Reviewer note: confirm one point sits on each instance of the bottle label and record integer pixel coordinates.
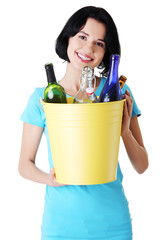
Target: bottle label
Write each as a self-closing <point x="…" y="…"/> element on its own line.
<point x="50" y="94"/>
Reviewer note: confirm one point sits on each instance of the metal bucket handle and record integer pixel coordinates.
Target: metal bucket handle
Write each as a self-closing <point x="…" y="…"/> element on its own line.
<point x="40" y="104"/>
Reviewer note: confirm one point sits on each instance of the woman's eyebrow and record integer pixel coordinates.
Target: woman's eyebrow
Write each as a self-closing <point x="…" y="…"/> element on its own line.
<point x="88" y="35"/>
<point x="84" y="33"/>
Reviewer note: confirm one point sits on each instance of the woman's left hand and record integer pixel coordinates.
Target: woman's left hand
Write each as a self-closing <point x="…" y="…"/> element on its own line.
<point x="127" y="113"/>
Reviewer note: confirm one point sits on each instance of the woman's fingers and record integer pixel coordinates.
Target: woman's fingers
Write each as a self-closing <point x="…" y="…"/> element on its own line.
<point x="129" y="103"/>
<point x="53" y="176"/>
<point x="127" y="113"/>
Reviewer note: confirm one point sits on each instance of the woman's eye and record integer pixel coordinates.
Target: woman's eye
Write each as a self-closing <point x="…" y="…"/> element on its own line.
<point x="82" y="37"/>
<point x="100" y="44"/>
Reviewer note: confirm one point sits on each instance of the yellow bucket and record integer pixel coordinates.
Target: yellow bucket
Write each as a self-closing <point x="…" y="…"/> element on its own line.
<point x="84" y="140"/>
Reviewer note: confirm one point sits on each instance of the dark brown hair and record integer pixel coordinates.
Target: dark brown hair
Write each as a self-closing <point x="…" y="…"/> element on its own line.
<point x="77" y="21"/>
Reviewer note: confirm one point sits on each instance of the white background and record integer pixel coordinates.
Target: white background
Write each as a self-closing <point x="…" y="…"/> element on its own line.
<point x="28" y="33"/>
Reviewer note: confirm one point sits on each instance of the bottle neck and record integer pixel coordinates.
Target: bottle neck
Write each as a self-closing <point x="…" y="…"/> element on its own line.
<point x="50" y="76"/>
<point x="83" y="84"/>
<point x="122" y="81"/>
<point x="86" y="84"/>
<point x="113" y="70"/>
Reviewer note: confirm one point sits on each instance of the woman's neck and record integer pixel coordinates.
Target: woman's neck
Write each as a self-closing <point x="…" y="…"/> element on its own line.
<point x="70" y="81"/>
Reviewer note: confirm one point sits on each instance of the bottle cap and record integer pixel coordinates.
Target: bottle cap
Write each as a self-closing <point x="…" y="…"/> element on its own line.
<point x="87" y="72"/>
<point x="48" y="66"/>
<point x="122" y="77"/>
<point x="89" y="91"/>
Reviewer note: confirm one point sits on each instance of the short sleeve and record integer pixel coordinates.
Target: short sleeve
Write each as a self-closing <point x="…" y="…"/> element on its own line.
<point x="135" y="110"/>
<point x="33" y="113"/>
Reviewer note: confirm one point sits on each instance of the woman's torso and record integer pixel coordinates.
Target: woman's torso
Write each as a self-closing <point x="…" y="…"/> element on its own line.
<point x="86" y="211"/>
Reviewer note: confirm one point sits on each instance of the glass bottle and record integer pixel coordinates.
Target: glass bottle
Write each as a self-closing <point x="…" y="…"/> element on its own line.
<point x="53" y="93"/>
<point x="87" y="87"/>
<point x="111" y="90"/>
<point x="122" y="80"/>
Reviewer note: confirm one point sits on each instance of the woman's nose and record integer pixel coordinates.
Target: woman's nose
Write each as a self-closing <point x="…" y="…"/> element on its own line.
<point x="89" y="47"/>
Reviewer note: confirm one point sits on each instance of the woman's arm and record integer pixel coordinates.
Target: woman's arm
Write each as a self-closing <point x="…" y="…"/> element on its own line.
<point x="30" y="142"/>
<point x="132" y="137"/>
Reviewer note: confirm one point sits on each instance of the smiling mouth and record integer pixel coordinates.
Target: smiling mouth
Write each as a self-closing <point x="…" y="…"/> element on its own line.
<point x="84" y="58"/>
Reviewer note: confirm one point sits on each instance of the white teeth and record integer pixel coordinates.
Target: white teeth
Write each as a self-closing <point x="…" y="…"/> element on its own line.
<point x="84" y="58"/>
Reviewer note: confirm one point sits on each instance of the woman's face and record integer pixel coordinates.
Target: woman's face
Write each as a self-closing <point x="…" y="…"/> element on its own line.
<point x="87" y="47"/>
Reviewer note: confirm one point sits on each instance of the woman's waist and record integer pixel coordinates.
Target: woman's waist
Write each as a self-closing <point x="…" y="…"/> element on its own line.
<point x="85" y="200"/>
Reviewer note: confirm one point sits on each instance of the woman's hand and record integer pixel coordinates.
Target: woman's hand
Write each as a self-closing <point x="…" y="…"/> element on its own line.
<point x="132" y="137"/>
<point x="127" y="113"/>
<point x="53" y="181"/>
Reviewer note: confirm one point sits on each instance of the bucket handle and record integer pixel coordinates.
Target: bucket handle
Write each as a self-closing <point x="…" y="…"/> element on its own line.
<point x="40" y="104"/>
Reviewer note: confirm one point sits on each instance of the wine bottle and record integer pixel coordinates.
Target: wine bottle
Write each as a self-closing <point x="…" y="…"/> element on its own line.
<point x="111" y="90"/>
<point x="122" y="80"/>
<point x="53" y="93"/>
<point x="87" y="87"/>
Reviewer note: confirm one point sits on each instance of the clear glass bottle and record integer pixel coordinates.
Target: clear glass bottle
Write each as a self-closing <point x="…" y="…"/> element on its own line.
<point x="111" y="90"/>
<point x="86" y="93"/>
<point x="53" y="93"/>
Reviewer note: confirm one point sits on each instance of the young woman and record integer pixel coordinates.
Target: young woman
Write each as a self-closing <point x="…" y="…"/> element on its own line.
<point x="83" y="211"/>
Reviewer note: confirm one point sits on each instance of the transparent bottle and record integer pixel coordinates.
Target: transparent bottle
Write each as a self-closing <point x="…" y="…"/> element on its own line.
<point x="111" y="90"/>
<point x="53" y="93"/>
<point x="86" y="93"/>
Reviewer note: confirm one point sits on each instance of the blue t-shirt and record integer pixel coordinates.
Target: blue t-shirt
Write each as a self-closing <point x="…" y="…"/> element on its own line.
<point x="98" y="212"/>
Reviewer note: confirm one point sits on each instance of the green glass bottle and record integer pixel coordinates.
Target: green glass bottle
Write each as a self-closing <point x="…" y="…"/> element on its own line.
<point x="53" y="93"/>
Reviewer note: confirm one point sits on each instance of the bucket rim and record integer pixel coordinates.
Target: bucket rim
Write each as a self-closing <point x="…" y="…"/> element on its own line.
<point x="78" y="104"/>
